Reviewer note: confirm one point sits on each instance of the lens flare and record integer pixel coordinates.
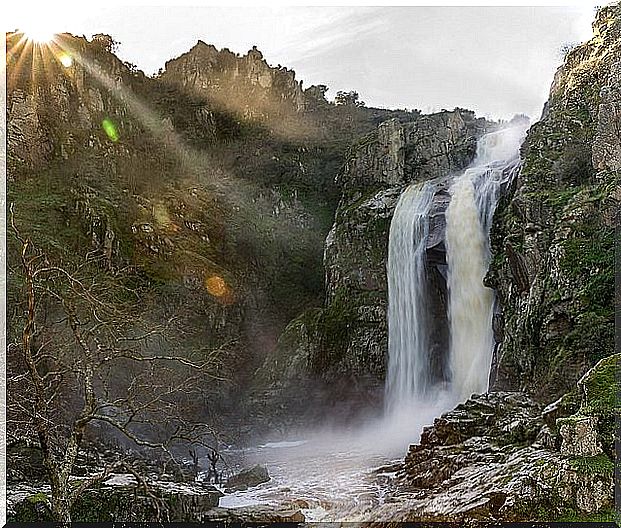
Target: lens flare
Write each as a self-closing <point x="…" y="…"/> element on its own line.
<point x="66" y="60"/>
<point x="216" y="286"/>
<point x="110" y="129"/>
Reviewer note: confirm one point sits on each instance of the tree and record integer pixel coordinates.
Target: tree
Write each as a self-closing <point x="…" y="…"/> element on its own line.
<point x="87" y="356"/>
<point x="316" y="96"/>
<point x="348" y="99"/>
<point x="105" y="42"/>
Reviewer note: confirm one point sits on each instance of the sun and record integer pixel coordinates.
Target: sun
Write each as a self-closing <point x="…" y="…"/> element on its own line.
<point x="38" y="30"/>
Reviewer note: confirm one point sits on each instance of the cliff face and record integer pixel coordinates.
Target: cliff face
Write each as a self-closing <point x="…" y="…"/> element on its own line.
<point x="210" y="185"/>
<point x="355" y="339"/>
<point x="246" y="85"/>
<point x="342" y="348"/>
<point x="554" y="241"/>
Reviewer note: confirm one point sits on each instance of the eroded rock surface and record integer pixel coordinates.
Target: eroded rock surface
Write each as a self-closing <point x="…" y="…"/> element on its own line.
<point x="493" y="458"/>
<point x="553" y="242"/>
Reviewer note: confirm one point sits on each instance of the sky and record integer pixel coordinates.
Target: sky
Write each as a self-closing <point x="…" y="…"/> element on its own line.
<point x="496" y="60"/>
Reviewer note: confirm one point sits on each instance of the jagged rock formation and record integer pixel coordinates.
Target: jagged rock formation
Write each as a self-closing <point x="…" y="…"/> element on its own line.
<point x="246" y="85"/>
<point x="342" y="349"/>
<point x="495" y="458"/>
<point x="554" y="240"/>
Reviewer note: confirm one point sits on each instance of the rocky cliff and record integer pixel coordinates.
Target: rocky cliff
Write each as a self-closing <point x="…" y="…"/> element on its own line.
<point x="342" y="348"/>
<point x="554" y="240"/>
<point x="216" y="206"/>
<point x="246" y="85"/>
<point x="355" y="337"/>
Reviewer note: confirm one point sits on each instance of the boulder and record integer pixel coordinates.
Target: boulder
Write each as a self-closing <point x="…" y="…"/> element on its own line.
<point x="254" y="514"/>
<point x="579" y="435"/>
<point x="248" y="478"/>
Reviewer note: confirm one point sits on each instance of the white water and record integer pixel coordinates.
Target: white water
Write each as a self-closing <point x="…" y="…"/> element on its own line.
<point x="332" y="475"/>
<point x="474" y="196"/>
<point x="408" y="375"/>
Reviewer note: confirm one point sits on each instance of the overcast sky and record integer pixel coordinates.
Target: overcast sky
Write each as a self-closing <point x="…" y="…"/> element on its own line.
<point x="497" y="61"/>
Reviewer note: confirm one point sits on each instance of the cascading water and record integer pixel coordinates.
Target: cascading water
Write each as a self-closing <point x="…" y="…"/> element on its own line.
<point x="474" y="195"/>
<point x="408" y="373"/>
<point x="335" y="472"/>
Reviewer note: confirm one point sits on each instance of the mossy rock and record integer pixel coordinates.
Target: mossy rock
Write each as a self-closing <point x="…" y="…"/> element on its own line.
<point x="35" y="508"/>
<point x="593" y="465"/>
<point x="604" y="516"/>
<point x="601" y="387"/>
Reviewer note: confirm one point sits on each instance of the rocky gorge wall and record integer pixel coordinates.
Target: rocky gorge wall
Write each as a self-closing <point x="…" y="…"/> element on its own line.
<point x="554" y="239"/>
<point x="356" y="251"/>
<point x="342" y="348"/>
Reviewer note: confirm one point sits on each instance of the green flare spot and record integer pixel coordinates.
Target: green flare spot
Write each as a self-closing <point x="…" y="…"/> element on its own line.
<point x="110" y="129"/>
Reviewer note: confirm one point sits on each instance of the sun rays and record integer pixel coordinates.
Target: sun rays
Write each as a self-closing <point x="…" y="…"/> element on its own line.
<point x="38" y="32"/>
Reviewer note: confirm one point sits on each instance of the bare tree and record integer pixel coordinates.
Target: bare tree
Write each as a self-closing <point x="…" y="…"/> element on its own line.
<point x="87" y="356"/>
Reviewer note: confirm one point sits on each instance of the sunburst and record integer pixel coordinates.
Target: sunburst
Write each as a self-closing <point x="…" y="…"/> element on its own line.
<point x="38" y="30"/>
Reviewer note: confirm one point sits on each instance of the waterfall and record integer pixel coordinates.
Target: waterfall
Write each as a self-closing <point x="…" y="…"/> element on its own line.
<point x="407" y="378"/>
<point x="474" y="195"/>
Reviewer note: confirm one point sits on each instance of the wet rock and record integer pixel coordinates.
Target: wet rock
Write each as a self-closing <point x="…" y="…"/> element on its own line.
<point x="546" y="438"/>
<point x="248" y="478"/>
<point x="564" y="406"/>
<point x="580" y="436"/>
<point x="254" y="514"/>
<point x="120" y="500"/>
<point x="506" y="416"/>
<point x="497" y="457"/>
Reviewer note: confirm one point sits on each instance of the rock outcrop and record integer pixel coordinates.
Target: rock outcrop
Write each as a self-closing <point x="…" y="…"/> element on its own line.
<point x="120" y="500"/>
<point x="246" y="85"/>
<point x="495" y="458"/>
<point x="247" y="478"/>
<point x="554" y="240"/>
<point x="255" y="514"/>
